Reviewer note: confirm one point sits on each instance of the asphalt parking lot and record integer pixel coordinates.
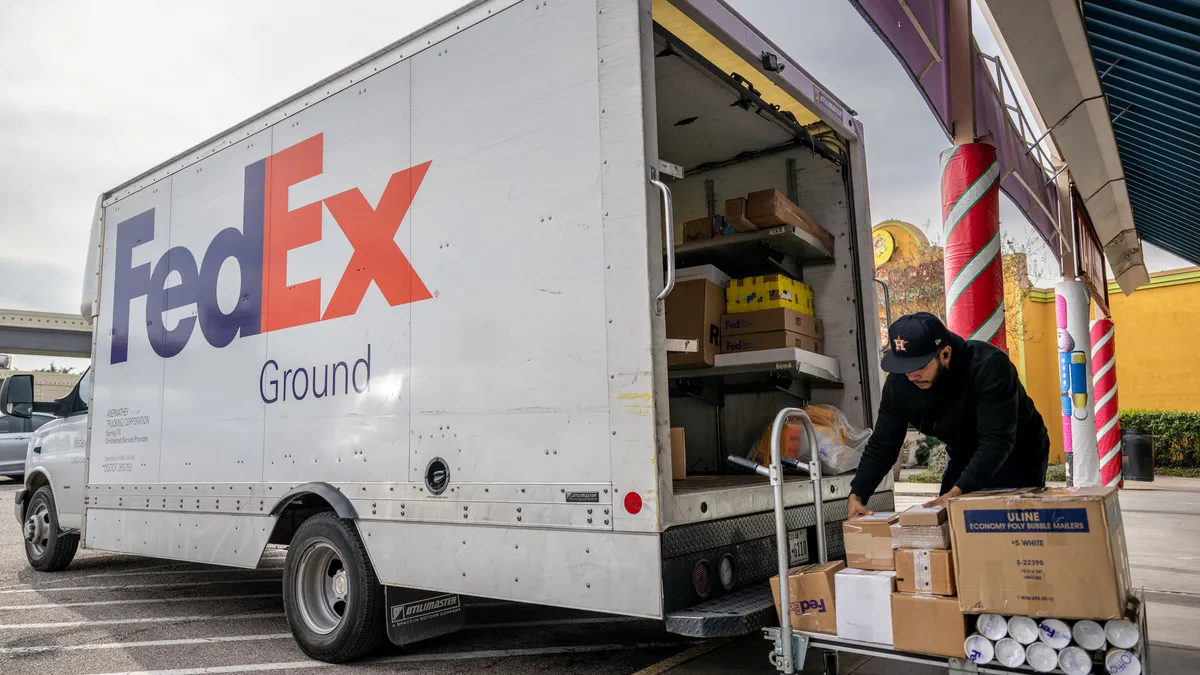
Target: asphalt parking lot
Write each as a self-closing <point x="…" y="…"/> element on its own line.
<point x="111" y="614"/>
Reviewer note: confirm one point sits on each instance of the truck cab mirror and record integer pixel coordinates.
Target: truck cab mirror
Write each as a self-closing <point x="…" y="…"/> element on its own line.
<point x="16" y="396"/>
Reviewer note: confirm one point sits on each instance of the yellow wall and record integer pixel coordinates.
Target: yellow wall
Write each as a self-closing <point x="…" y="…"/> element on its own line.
<point x="1040" y="373"/>
<point x="1156" y="328"/>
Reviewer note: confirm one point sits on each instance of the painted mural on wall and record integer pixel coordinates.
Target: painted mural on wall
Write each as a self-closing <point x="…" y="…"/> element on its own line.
<point x="1071" y="303"/>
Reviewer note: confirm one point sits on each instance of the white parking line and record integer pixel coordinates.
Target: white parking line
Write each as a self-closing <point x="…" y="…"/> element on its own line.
<point x="410" y="658"/>
<point x="552" y="622"/>
<point x="124" y="587"/>
<point x="147" y="601"/>
<point x="153" y="619"/>
<point x="215" y="570"/>
<point x="93" y="646"/>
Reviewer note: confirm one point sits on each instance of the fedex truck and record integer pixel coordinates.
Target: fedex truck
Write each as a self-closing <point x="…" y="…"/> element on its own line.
<point x="410" y="323"/>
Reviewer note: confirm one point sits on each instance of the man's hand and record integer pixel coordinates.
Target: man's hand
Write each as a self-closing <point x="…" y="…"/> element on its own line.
<point x="944" y="500"/>
<point x="855" y="508"/>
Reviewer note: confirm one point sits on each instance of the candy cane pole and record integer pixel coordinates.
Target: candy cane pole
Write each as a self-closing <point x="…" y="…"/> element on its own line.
<point x="1104" y="381"/>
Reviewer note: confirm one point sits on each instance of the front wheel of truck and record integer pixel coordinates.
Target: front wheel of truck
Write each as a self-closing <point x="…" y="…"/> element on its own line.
<point x="46" y="547"/>
<point x="333" y="600"/>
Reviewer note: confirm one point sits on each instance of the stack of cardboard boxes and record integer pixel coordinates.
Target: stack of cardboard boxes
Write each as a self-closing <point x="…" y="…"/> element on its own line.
<point x="750" y="314"/>
<point x="864" y="590"/>
<point x="916" y="580"/>
<point x="925" y="610"/>
<point x="762" y="210"/>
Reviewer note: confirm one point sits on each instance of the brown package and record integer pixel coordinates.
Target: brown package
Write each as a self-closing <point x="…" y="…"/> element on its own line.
<point x="776" y="339"/>
<point x="766" y="320"/>
<point x="735" y="215"/>
<point x="923" y="515"/>
<point x="770" y="208"/>
<point x="697" y="230"/>
<point x="928" y="624"/>
<point x="812" y="600"/>
<point x="694" y="312"/>
<point x="678" y="454"/>
<point x="1044" y="553"/>
<point x="868" y="541"/>
<point x="924" y="571"/>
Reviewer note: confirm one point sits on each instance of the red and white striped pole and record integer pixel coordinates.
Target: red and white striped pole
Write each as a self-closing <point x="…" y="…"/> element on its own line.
<point x="971" y="224"/>
<point x="1104" y="383"/>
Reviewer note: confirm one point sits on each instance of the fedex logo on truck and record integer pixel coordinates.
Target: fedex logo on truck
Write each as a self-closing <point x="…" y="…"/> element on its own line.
<point x="266" y="301"/>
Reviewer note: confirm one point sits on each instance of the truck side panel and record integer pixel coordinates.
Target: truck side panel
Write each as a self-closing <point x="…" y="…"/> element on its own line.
<point x="418" y="268"/>
<point x="212" y="418"/>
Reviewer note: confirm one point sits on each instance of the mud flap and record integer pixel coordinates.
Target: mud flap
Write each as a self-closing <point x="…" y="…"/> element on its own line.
<point x="415" y="615"/>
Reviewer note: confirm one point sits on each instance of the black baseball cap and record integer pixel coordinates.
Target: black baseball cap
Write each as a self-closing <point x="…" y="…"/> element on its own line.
<point x="913" y="341"/>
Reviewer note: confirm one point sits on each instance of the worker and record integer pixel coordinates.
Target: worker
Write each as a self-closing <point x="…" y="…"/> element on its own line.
<point x="966" y="394"/>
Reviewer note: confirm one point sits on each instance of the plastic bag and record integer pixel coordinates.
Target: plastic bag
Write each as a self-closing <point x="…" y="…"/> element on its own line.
<point x="840" y="443"/>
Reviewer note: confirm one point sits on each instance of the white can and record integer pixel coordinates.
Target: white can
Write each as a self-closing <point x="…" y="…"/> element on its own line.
<point x="1023" y="629"/>
<point x="1121" y="633"/>
<point x="979" y="649"/>
<point x="1010" y="653"/>
<point x="1122" y="662"/>
<point x="1089" y="635"/>
<point x="1075" y="661"/>
<point x="1041" y="657"/>
<point x="992" y="626"/>
<point x="1054" y="633"/>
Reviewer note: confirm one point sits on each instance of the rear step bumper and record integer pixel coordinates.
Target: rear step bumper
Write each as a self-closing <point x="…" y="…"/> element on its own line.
<point x="740" y="613"/>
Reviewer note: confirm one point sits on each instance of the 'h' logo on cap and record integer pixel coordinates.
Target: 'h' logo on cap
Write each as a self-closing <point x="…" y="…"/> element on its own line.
<point x="900" y="344"/>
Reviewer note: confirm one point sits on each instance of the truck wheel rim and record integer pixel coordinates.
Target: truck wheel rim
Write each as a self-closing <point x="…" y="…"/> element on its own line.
<point x="37" y="529"/>
<point x="322" y="587"/>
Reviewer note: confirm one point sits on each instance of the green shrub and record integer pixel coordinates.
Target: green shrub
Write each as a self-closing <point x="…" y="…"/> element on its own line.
<point x="926" y="476"/>
<point x="938" y="459"/>
<point x="1056" y="473"/>
<point x="1176" y="435"/>
<point x="926" y="446"/>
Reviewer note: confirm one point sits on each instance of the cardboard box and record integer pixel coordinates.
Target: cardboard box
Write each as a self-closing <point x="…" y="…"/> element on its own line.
<point x="928" y="624"/>
<point x="769" y="208"/>
<point x="771" y="291"/>
<point x="810" y="588"/>
<point x="1045" y="553"/>
<point x="765" y="320"/>
<point x="776" y="339"/>
<point x="921" y="536"/>
<point x="694" y="312"/>
<point x="697" y="230"/>
<point x="864" y="605"/>
<point x="735" y="215"/>
<point x="923" y="515"/>
<point x="709" y="272"/>
<point x="868" y="541"/>
<point x="924" y="571"/>
<point x="678" y="454"/>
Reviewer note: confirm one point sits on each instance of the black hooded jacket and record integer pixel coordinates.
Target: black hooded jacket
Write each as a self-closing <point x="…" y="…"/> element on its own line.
<point x="993" y="433"/>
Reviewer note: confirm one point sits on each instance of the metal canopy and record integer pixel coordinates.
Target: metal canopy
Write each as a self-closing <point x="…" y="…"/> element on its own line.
<point x="1148" y="55"/>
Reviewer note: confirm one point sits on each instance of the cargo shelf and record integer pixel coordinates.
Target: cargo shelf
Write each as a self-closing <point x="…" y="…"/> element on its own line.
<point x="785" y="249"/>
<point x="797" y="365"/>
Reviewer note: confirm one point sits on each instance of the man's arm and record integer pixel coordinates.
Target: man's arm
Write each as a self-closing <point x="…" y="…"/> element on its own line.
<point x="882" y="448"/>
<point x="996" y="417"/>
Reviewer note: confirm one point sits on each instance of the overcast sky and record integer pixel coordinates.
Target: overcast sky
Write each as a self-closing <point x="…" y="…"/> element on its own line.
<point x="93" y="93"/>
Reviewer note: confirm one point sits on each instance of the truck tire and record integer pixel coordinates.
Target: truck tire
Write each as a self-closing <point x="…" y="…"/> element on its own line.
<point x="46" y="547"/>
<point x="333" y="601"/>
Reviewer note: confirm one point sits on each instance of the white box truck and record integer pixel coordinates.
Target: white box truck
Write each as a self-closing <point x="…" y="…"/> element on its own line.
<point x="410" y="323"/>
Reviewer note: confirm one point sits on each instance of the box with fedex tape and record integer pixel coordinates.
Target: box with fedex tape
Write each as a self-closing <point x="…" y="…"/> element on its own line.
<point x="810" y="588"/>
<point x="1047" y="553"/>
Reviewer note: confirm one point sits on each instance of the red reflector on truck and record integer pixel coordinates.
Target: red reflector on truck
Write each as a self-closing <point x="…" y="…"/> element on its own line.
<point x="633" y="503"/>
